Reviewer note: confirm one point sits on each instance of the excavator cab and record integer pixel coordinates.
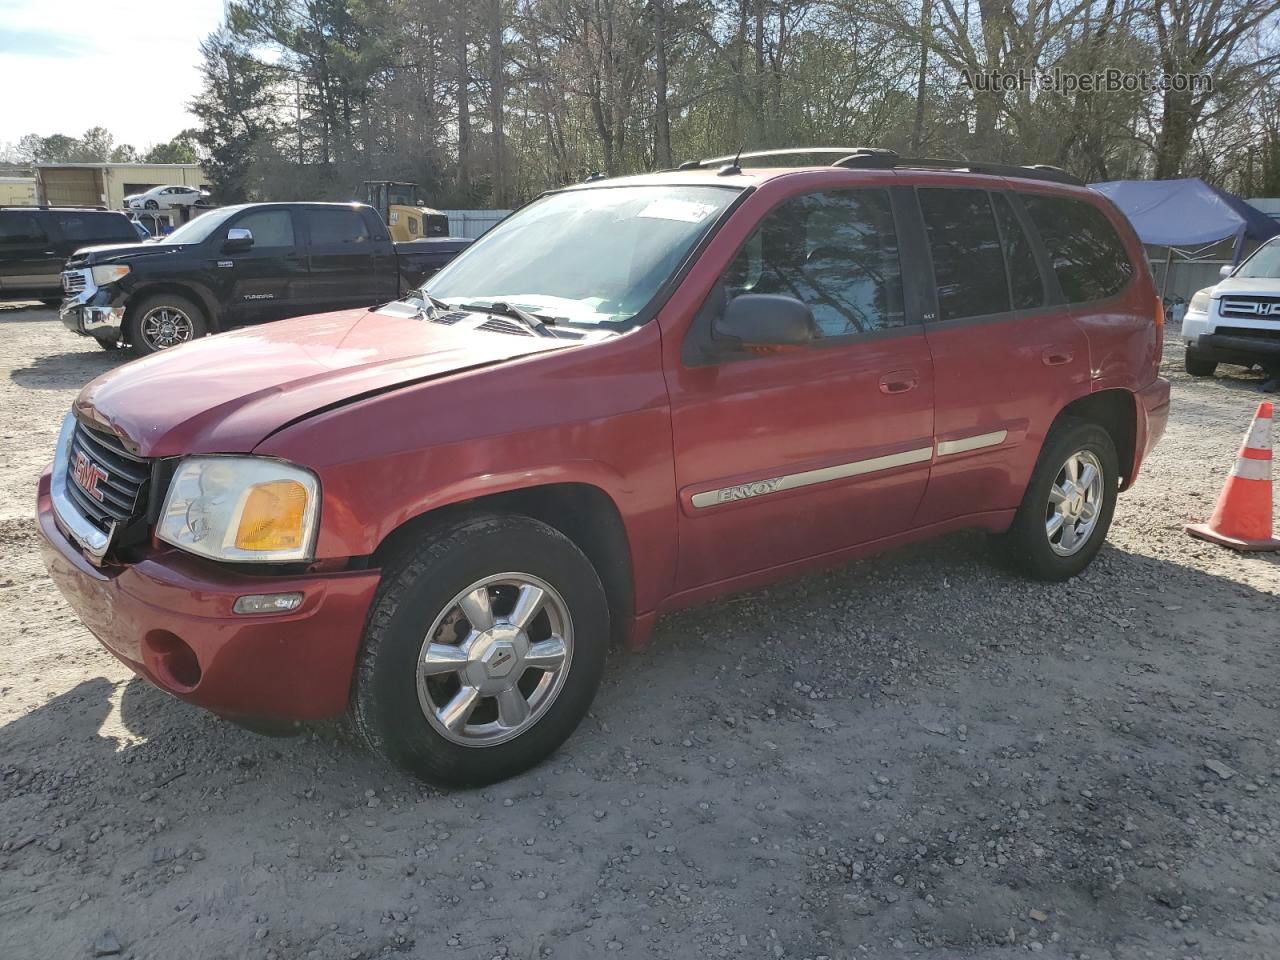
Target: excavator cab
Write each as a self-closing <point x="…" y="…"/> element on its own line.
<point x="403" y="212"/>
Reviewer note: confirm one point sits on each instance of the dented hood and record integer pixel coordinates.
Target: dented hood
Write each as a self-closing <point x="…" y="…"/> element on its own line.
<point x="227" y="393"/>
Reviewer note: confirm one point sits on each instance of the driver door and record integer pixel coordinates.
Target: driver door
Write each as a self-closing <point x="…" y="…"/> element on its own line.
<point x="265" y="282"/>
<point x="787" y="455"/>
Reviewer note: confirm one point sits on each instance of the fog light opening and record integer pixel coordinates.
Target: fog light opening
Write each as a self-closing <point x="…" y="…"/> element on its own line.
<point x="172" y="661"/>
<point x="258" y="603"/>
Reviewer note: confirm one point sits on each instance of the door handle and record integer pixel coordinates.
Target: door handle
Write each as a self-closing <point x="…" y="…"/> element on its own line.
<point x="1056" y="356"/>
<point x="899" y="381"/>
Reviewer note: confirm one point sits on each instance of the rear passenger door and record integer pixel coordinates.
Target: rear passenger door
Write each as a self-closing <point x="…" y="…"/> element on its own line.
<point x="348" y="265"/>
<point x="1006" y="357"/>
<point x="28" y="256"/>
<point x="782" y="455"/>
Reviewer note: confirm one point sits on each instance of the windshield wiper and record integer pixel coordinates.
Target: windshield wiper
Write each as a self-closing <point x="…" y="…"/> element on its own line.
<point x="531" y="322"/>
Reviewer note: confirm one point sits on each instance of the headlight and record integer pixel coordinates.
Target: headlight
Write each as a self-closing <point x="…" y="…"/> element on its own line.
<point x="109" y="273"/>
<point x="242" y="509"/>
<point x="1200" y="301"/>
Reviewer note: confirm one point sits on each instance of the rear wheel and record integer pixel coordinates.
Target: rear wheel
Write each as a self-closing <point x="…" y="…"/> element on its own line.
<point x="161" y="321"/>
<point x="1067" y="508"/>
<point x="1199" y="366"/>
<point x="483" y="651"/>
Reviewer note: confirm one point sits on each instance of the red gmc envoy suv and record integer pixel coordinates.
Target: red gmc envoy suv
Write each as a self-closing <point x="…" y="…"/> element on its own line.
<point x="632" y="395"/>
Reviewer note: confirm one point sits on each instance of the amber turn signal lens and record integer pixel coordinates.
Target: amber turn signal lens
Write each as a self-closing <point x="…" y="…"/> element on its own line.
<point x="272" y="518"/>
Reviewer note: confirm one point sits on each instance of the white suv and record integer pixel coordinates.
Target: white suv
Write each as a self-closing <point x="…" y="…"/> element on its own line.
<point x="1238" y="321"/>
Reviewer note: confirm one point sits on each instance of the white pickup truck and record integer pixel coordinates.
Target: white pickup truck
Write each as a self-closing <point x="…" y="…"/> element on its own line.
<point x="1238" y="321"/>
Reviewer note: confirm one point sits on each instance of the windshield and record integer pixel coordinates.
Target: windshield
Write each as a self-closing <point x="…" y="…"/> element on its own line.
<point x="201" y="227"/>
<point x="590" y="256"/>
<point x="1265" y="263"/>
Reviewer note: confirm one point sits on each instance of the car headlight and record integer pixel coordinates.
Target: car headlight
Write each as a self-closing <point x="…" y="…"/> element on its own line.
<point x="1200" y="301"/>
<point x="109" y="273"/>
<point x="241" y="509"/>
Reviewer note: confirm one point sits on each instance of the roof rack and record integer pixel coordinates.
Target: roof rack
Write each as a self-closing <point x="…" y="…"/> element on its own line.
<point x="887" y="159"/>
<point x="875" y="158"/>
<point x="757" y="154"/>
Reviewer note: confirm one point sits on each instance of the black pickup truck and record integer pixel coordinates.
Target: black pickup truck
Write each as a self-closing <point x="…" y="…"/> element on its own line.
<point x="238" y="265"/>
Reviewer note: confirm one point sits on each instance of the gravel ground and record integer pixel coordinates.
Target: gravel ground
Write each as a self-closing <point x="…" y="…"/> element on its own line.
<point x="916" y="755"/>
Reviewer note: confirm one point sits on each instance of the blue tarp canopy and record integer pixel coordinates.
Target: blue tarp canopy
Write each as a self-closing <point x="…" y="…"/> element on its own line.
<point x="1187" y="213"/>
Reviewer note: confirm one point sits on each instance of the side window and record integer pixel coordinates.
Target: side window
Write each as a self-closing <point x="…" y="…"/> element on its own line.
<point x="1024" y="274"/>
<point x="270" y="228"/>
<point x="15" y="227"/>
<point x="837" y="251"/>
<point x="968" y="265"/>
<point x="335" y="226"/>
<point x="91" y="227"/>
<point x="1087" y="256"/>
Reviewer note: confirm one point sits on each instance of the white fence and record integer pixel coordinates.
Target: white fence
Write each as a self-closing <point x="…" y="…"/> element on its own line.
<point x="472" y="223"/>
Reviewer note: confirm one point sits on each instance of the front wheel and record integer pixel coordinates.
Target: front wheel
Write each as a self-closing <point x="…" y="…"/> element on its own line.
<point x="1067" y="508"/>
<point x="152" y="205"/>
<point x="1198" y="366"/>
<point x="483" y="651"/>
<point x="162" y="321"/>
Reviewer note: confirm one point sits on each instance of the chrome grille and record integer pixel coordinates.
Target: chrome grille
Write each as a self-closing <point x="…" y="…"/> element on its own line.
<point x="115" y="495"/>
<point x="75" y="281"/>
<point x="1253" y="308"/>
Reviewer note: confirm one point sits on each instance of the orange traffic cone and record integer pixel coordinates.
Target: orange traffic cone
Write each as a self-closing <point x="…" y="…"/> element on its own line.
<point x="1242" y="518"/>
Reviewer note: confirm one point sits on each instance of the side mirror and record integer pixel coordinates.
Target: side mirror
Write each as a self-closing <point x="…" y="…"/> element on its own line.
<point x="765" y="319"/>
<point x="238" y="240"/>
<point x="1225" y="271"/>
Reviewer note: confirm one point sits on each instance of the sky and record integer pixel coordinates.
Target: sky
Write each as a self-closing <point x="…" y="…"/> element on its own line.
<point x="128" y="65"/>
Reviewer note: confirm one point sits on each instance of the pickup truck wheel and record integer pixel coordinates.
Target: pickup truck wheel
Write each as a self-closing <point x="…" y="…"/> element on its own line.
<point x="1198" y="366"/>
<point x="483" y="651"/>
<point x="162" y="321"/>
<point x="1066" y="511"/>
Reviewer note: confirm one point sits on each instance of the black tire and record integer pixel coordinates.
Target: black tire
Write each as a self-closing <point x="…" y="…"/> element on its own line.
<point x="138" y="312"/>
<point x="151" y="205"/>
<point x="1025" y="546"/>
<point x="1198" y="366"/>
<point x="417" y="589"/>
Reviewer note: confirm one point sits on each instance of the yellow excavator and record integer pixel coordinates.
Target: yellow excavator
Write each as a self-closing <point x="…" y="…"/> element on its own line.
<point x="403" y="211"/>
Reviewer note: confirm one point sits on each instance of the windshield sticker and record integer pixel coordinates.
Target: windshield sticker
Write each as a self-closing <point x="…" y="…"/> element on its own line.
<point x="690" y="211"/>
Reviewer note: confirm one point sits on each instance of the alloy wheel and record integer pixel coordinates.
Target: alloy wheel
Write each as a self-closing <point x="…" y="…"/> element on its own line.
<point x="1075" y="503"/>
<point x="164" y="327"/>
<point x="495" y="659"/>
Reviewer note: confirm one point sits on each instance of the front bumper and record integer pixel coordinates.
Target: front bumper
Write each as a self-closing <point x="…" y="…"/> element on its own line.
<point x="169" y="619"/>
<point x="1239" y="348"/>
<point x="96" y="312"/>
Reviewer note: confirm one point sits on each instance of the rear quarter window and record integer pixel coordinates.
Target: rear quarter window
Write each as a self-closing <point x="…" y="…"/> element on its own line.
<point x="1084" y="250"/>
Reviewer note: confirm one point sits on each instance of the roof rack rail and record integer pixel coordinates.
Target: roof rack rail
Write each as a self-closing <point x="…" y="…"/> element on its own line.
<point x="876" y="158"/>
<point x="757" y="154"/>
<point x="888" y="160"/>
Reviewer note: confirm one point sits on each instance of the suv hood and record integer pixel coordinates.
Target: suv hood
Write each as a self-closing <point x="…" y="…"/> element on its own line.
<point x="121" y="253"/>
<point x="227" y="393"/>
<point x="1269" y="285"/>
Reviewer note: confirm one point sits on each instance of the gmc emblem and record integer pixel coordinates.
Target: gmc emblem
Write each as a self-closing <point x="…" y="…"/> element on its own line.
<point x="88" y="475"/>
